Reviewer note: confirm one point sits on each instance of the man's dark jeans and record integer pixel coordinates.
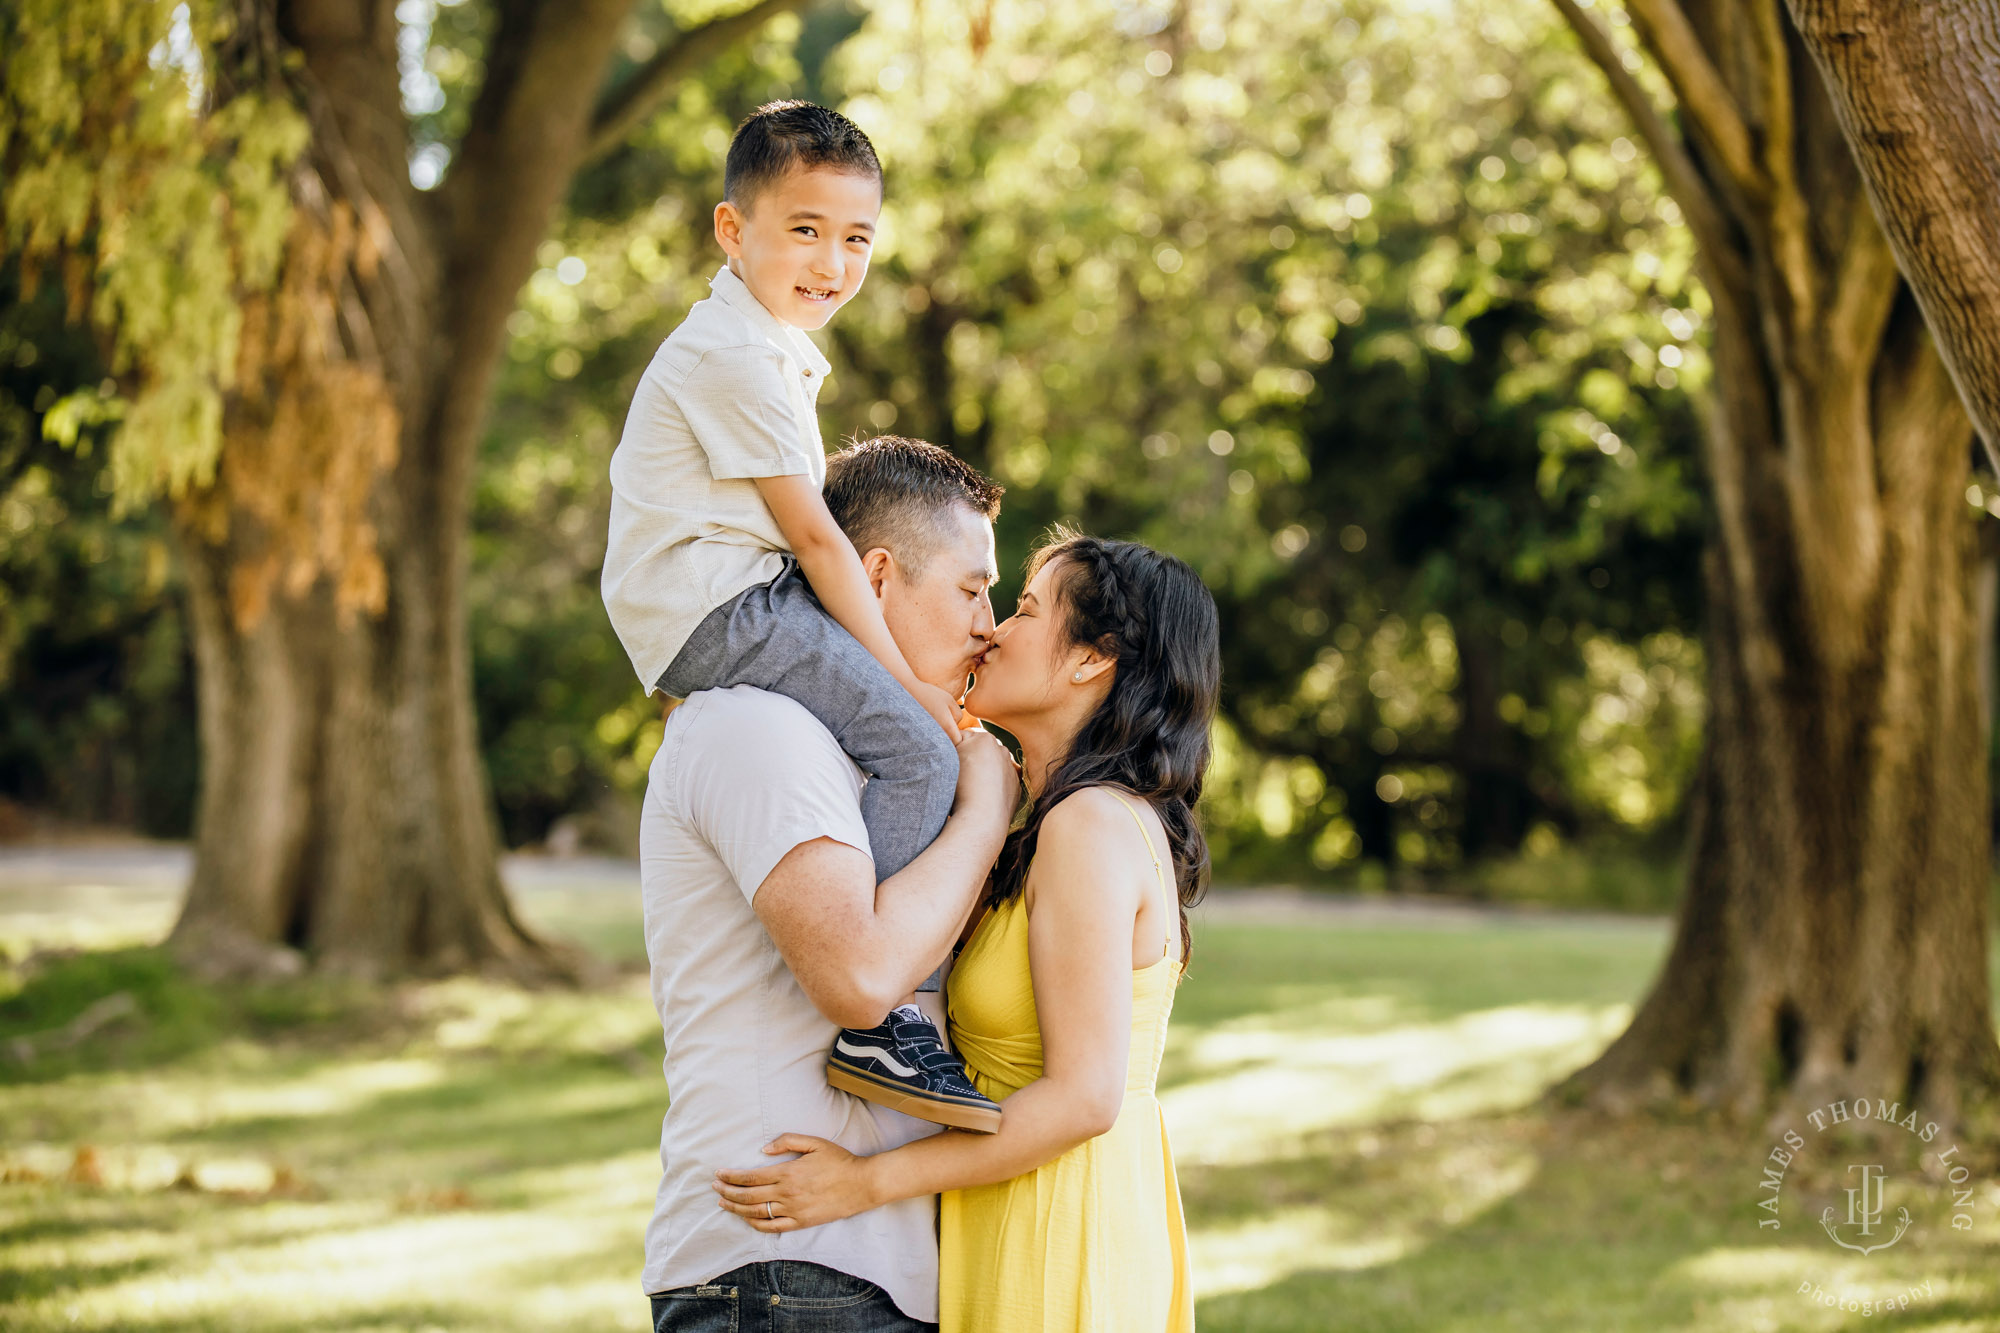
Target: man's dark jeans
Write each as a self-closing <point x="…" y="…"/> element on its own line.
<point x="782" y="1297"/>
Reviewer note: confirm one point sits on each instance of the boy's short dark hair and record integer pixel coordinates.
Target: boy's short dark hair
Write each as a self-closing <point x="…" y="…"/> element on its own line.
<point x="780" y="137"/>
<point x="897" y="493"/>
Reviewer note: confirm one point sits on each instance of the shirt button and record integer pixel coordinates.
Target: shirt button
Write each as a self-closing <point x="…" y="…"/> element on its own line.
<point x="807" y="373"/>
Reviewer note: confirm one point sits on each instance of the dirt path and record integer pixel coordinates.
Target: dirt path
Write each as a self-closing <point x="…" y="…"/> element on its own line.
<point x="36" y="877"/>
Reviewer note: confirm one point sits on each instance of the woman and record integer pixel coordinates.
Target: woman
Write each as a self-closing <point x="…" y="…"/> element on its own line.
<point x="1068" y="1218"/>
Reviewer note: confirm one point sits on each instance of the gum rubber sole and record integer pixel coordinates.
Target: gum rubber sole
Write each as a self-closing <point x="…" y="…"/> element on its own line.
<point x="975" y="1118"/>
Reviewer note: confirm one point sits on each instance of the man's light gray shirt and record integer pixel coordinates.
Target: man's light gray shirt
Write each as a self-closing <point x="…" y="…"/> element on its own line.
<point x="741" y="778"/>
<point x="732" y="395"/>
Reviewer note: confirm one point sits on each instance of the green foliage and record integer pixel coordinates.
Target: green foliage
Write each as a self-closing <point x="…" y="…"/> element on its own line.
<point x="96" y="688"/>
<point x="1370" y="312"/>
<point x="1619" y="876"/>
<point x="1234" y="285"/>
<point x="155" y="203"/>
<point x="1635" y="712"/>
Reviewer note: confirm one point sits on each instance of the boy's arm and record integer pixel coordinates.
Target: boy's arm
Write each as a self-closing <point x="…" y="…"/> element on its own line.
<point x="831" y="565"/>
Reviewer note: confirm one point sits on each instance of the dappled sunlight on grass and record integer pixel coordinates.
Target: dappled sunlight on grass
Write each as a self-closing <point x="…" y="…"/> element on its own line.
<point x="1274" y="1084"/>
<point x="1351" y="1107"/>
<point x="473" y="1015"/>
<point x="338" y="1090"/>
<point x="1801" y="1286"/>
<point x="1603" y="1226"/>
<point x="83" y="916"/>
<point x="1354" y="1204"/>
<point x="555" y="1267"/>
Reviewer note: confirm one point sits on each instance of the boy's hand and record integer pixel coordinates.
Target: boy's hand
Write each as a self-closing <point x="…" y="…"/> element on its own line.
<point x="939" y="705"/>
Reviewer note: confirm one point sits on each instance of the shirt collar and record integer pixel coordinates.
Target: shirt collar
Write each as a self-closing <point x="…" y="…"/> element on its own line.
<point x="733" y="293"/>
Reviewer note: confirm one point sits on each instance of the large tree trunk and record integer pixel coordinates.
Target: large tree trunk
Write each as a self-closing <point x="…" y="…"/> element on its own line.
<point x="1833" y="936"/>
<point x="1914" y="88"/>
<point x="344" y="814"/>
<point x="344" y="810"/>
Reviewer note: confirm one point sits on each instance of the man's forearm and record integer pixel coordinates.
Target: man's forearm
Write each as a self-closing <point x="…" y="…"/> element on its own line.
<point x="920" y="909"/>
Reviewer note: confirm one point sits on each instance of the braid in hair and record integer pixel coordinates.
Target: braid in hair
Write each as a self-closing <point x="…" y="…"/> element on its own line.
<point x="1149" y="737"/>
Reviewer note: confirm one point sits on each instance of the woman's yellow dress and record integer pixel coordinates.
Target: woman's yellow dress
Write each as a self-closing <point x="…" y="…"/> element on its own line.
<point x="1094" y="1241"/>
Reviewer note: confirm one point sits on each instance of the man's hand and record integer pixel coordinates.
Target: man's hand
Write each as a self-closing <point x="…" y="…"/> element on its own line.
<point x="989" y="782"/>
<point x="939" y="705"/>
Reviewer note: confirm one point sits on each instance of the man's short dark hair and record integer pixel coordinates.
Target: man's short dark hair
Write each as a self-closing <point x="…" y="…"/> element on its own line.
<point x="780" y="137"/>
<point x="898" y="494"/>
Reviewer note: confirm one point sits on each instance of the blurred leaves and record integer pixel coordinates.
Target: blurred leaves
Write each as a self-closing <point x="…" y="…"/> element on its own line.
<point x="1368" y="310"/>
<point x="153" y="203"/>
<point x="96" y="688"/>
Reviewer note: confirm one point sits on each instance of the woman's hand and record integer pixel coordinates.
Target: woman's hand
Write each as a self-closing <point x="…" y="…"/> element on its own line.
<point x="825" y="1184"/>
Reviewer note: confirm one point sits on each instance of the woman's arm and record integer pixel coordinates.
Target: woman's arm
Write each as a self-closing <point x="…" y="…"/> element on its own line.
<point x="1083" y="900"/>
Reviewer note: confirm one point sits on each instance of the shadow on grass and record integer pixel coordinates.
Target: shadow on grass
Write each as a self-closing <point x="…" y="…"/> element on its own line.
<point x="1553" y="1220"/>
<point x="1510" y="1265"/>
<point x="481" y="1158"/>
<point x="29" y="1283"/>
<point x="143" y="1234"/>
<point x="484" y="1113"/>
<point x="172" y="1017"/>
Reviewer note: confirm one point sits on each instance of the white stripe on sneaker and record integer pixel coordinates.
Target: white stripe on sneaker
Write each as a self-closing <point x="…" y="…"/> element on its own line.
<point x="879" y="1053"/>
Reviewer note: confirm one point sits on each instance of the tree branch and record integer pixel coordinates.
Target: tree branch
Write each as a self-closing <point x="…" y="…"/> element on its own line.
<point x="517" y="159"/>
<point x="1684" y="179"/>
<point x="1699" y="87"/>
<point x="630" y="102"/>
<point x="1791" y="248"/>
<point x="1865" y="282"/>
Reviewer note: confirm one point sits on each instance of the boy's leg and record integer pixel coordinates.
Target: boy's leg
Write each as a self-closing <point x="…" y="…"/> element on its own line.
<point x="777" y="637"/>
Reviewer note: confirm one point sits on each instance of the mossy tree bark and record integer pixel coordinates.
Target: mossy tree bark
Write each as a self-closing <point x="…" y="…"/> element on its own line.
<point x="1832" y="939"/>
<point x="344" y="815"/>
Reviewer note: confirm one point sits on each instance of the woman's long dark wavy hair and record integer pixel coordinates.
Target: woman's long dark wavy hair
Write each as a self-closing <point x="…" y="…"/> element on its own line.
<point x="1149" y="613"/>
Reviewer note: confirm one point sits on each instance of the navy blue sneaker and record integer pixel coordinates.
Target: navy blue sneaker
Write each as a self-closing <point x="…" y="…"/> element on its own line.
<point x="903" y="1065"/>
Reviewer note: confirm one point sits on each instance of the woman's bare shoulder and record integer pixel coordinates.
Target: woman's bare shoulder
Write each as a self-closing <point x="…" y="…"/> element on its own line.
<point x="1089" y="835"/>
<point x="1087" y="813"/>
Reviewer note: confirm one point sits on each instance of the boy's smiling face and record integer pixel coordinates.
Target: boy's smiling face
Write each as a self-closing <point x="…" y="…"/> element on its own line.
<point x="803" y="244"/>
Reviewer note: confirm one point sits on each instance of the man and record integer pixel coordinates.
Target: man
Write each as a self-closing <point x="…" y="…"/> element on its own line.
<point x="767" y="931"/>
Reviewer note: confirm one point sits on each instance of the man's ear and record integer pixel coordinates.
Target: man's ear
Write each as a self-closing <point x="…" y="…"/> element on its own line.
<point x="879" y="566"/>
<point x="729" y="228"/>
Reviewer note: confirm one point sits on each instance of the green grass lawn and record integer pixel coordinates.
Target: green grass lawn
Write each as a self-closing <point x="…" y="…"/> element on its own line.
<point x="1353" y="1105"/>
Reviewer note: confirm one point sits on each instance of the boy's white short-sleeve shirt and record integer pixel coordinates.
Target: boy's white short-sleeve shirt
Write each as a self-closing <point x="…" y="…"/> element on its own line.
<point x="741" y="777"/>
<point x="731" y="395"/>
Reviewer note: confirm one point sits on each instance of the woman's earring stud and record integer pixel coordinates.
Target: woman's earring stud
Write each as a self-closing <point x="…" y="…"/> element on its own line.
<point x="1076" y="676"/>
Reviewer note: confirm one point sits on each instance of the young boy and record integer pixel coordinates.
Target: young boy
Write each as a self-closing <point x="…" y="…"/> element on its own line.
<point x="724" y="566"/>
